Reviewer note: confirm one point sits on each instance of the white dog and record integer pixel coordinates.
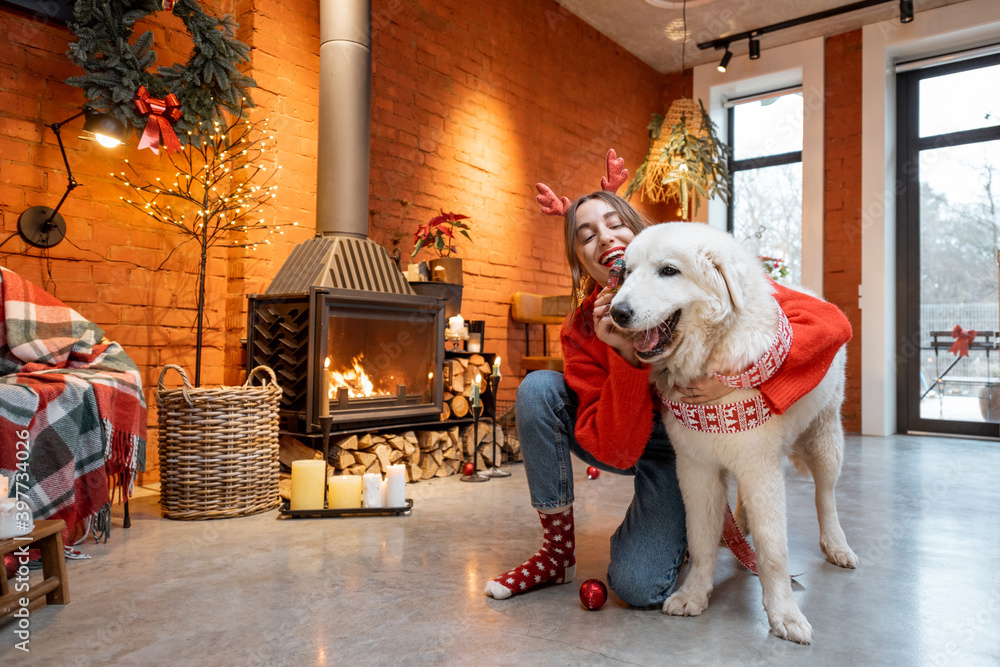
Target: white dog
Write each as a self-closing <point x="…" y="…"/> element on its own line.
<point x="697" y="302"/>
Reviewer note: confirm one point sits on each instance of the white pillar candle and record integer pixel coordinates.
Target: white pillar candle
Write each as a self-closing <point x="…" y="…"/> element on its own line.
<point x="496" y="368"/>
<point x="395" y="484"/>
<point x="372" y="489"/>
<point x="308" y="477"/>
<point x="455" y="324"/>
<point x="14" y="521"/>
<point x="324" y="388"/>
<point x="345" y="492"/>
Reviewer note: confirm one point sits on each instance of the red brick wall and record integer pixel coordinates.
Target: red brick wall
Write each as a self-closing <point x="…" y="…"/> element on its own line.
<point x="473" y="103"/>
<point x="842" y="200"/>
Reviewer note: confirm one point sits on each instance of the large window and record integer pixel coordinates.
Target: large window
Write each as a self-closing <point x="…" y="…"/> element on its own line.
<point x="948" y="236"/>
<point x="765" y="213"/>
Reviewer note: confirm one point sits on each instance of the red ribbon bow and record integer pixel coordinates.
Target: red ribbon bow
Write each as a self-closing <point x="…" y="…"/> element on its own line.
<point x="162" y="115"/>
<point x="961" y="346"/>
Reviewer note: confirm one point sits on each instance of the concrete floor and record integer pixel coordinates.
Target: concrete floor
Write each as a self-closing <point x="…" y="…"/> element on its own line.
<point x="922" y="513"/>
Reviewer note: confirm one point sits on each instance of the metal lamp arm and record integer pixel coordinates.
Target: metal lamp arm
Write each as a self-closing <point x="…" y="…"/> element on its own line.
<point x="55" y="127"/>
<point x="41" y="226"/>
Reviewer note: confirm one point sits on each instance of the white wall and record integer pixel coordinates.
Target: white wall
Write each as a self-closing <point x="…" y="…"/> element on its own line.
<point x="932" y="32"/>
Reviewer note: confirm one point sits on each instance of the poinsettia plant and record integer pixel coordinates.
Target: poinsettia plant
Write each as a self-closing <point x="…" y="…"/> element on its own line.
<point x="439" y="234"/>
<point x="774" y="267"/>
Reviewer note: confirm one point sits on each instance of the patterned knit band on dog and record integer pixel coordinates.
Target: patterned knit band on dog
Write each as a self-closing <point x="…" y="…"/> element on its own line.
<point x="768" y="364"/>
<point x="725" y="418"/>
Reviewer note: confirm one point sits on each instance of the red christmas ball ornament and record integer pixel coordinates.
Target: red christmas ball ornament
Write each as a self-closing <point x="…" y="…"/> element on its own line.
<point x="593" y="594"/>
<point x="593" y="473"/>
<point x="468" y="468"/>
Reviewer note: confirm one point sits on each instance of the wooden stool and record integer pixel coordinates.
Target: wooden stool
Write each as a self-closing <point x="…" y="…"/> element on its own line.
<point x="54" y="588"/>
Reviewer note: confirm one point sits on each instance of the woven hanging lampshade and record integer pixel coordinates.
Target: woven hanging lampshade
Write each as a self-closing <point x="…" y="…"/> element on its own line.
<point x="665" y="175"/>
<point x="658" y="169"/>
<point x="691" y="111"/>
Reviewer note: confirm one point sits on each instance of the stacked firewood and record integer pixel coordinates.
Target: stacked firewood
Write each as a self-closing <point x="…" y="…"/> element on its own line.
<point x="426" y="454"/>
<point x="507" y="448"/>
<point x="459" y="377"/>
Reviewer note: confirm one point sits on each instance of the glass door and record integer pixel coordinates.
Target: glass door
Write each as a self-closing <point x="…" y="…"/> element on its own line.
<point x="948" y="235"/>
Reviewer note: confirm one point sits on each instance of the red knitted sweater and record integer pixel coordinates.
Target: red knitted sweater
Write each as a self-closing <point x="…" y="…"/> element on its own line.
<point x="616" y="403"/>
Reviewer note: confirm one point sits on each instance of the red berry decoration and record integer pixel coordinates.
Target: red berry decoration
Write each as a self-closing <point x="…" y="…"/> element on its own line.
<point x="468" y="468"/>
<point x="593" y="473"/>
<point x="593" y="594"/>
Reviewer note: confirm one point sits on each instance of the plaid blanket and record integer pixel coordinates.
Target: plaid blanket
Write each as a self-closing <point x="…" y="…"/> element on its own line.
<point x="79" y="400"/>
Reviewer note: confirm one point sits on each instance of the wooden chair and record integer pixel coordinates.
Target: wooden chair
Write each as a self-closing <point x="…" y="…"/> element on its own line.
<point x="529" y="309"/>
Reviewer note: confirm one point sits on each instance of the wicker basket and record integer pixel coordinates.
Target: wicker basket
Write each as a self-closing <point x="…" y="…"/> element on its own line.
<point x="218" y="448"/>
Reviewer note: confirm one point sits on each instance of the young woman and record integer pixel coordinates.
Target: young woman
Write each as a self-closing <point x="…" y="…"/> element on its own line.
<point x="603" y="410"/>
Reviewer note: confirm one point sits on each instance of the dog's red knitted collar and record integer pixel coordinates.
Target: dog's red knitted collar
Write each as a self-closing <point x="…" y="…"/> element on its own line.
<point x="768" y="364"/>
<point x="724" y="418"/>
<point x="741" y="415"/>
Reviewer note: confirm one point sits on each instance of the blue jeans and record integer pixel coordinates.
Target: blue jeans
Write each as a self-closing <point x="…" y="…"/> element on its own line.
<point x="648" y="548"/>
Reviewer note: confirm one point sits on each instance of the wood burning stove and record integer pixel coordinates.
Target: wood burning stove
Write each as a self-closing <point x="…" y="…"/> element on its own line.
<point x="339" y="295"/>
<point x="385" y="356"/>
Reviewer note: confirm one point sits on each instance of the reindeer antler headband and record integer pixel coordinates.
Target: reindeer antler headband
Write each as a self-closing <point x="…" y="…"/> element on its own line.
<point x="553" y="205"/>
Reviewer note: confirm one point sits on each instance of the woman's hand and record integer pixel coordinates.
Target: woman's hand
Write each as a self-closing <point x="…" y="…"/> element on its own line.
<point x="610" y="334"/>
<point x="703" y="390"/>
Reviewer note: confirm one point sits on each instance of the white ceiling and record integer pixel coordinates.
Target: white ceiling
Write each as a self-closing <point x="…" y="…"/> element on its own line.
<point x="655" y="34"/>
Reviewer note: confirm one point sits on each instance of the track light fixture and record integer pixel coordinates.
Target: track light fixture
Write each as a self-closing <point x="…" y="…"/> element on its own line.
<point x="905" y="11"/>
<point x="905" y="16"/>
<point x="42" y="226"/>
<point x="724" y="63"/>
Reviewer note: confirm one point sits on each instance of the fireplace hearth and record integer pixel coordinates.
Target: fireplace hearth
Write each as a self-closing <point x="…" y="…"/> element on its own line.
<point x="372" y="359"/>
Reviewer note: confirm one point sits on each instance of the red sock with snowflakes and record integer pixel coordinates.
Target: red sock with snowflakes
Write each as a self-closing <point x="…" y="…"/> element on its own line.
<point x="554" y="563"/>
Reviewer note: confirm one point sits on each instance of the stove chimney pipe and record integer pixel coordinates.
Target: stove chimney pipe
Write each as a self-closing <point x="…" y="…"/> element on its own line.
<point x="345" y="93"/>
<point x="341" y="256"/>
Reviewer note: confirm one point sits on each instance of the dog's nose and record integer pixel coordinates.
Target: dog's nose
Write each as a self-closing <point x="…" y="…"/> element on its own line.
<point x="621" y="314"/>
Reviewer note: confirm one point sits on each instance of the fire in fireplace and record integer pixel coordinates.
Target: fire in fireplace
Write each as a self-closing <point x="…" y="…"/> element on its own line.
<point x="368" y="358"/>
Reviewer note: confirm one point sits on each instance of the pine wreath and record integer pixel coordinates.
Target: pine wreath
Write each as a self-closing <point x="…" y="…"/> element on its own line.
<point x="208" y="83"/>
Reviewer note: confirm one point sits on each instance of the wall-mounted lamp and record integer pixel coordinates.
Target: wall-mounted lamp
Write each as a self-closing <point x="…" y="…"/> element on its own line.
<point x="42" y="226"/>
<point x="754" y="49"/>
<point x="724" y="63"/>
<point x="905" y="11"/>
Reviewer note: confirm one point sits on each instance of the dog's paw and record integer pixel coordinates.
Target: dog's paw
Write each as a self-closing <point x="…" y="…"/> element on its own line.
<point x="792" y="626"/>
<point x="685" y="603"/>
<point x="840" y="555"/>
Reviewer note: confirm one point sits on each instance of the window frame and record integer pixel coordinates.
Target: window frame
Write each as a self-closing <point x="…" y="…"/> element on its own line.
<point x="760" y="162"/>
<point x="800" y="64"/>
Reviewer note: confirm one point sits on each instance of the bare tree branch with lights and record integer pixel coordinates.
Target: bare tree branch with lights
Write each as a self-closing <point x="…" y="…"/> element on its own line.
<point x="221" y="184"/>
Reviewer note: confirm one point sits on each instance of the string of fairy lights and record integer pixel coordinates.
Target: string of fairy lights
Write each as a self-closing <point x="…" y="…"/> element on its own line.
<point x="222" y="183"/>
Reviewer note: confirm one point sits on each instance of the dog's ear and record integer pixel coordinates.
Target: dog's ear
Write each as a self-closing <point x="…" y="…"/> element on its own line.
<point x="732" y="277"/>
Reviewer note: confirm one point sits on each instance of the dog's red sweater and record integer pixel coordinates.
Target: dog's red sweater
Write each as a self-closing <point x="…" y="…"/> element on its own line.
<point x="616" y="403"/>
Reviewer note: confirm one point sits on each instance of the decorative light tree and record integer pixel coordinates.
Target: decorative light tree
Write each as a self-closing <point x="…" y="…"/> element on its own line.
<point x="222" y="179"/>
